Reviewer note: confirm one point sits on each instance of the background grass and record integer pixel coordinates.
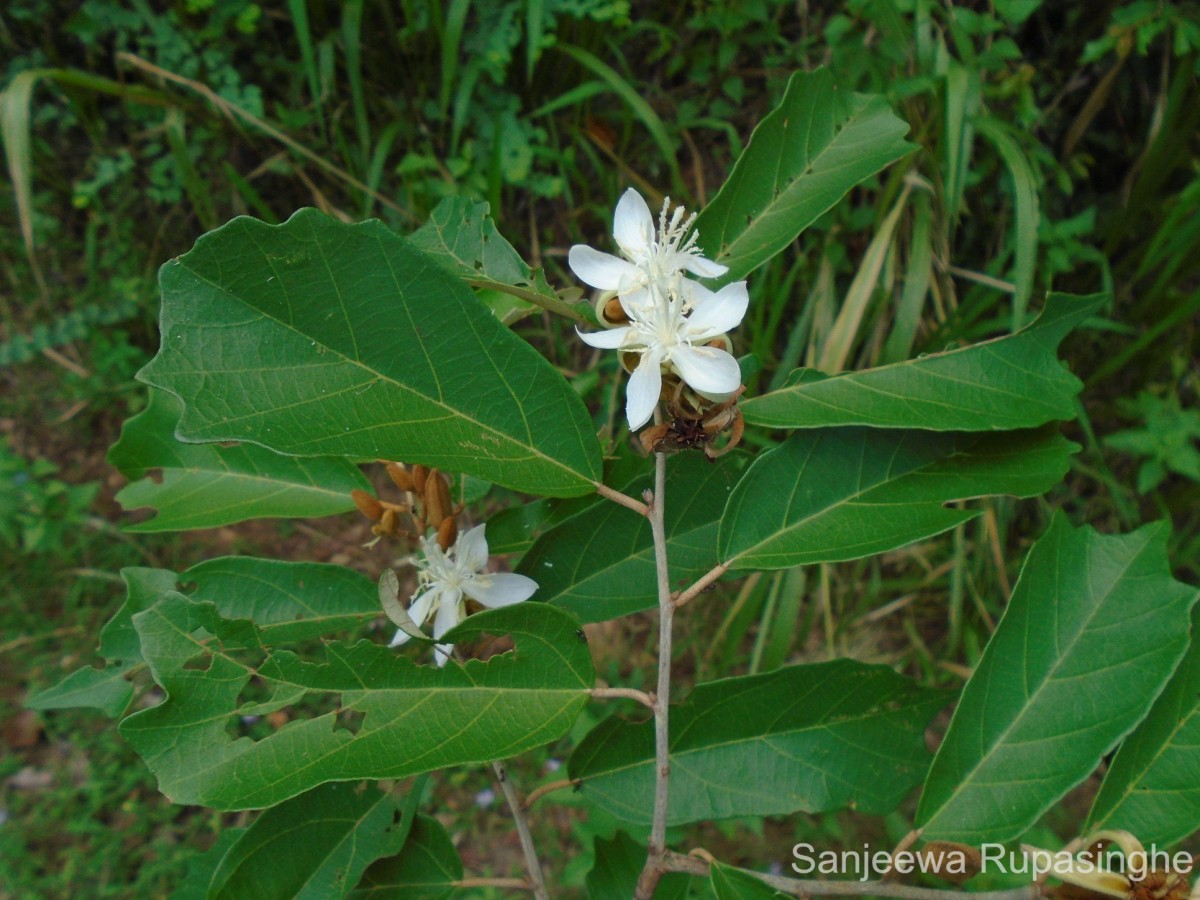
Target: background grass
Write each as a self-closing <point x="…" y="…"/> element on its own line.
<point x="1057" y="148"/>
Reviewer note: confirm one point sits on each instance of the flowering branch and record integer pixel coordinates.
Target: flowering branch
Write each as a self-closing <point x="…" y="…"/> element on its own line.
<point x="795" y="887"/>
<point x="657" y="845"/>
<point x="537" y="883"/>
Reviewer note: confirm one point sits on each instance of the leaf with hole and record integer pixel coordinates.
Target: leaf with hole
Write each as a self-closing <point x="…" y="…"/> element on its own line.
<point x="206" y="485"/>
<point x="316" y="338"/>
<point x="1093" y="631"/>
<point x="372" y="713"/>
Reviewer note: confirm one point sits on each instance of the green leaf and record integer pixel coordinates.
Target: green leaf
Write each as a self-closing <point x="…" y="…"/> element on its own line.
<point x="314" y="846"/>
<point x="802" y="159"/>
<point x="1094" y="629"/>
<point x="729" y="883"/>
<point x="1151" y="788"/>
<point x="618" y="864"/>
<point x="315" y="338"/>
<point x="425" y="869"/>
<point x="200" y="868"/>
<point x="1011" y="382"/>
<point x="844" y="493"/>
<point x="388" y="717"/>
<point x="599" y="564"/>
<point x="109" y="689"/>
<point x="460" y="233"/>
<point x="813" y="738"/>
<point x="206" y="485"/>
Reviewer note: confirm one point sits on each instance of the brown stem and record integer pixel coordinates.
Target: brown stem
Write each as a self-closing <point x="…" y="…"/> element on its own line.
<point x="620" y="693"/>
<point x="536" y="882"/>
<point x="702" y="582"/>
<point x="624" y="499"/>
<point x="538" y="793"/>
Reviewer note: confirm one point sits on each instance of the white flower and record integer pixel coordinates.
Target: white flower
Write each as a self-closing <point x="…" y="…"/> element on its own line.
<point x="444" y="577"/>
<point x="666" y="330"/>
<point x="671" y="318"/>
<point x="650" y="258"/>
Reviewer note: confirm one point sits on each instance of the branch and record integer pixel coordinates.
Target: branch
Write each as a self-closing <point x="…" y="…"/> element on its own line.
<point x="624" y="499"/>
<point x="538" y="793"/>
<point x="795" y="887"/>
<point x="620" y="693"/>
<point x="536" y="883"/>
<point x="657" y="845"/>
<point x="701" y="584"/>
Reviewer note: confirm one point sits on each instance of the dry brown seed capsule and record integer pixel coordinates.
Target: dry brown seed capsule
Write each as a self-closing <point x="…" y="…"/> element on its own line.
<point x="447" y="533"/>
<point x="400" y="476"/>
<point x="438" y="506"/>
<point x="368" y="505"/>
<point x="419" y="474"/>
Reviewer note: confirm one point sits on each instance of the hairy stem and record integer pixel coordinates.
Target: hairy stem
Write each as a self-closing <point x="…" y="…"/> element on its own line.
<point x="537" y="883"/>
<point x="702" y="583"/>
<point x="795" y="887"/>
<point x="620" y="693"/>
<point x="657" y="844"/>
<point x="624" y="499"/>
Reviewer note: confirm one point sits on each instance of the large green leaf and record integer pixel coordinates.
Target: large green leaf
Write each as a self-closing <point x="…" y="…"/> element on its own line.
<point x="813" y="738"/>
<point x="729" y="883"/>
<point x="803" y="157"/>
<point x="1152" y="788"/>
<point x="109" y="689"/>
<point x="315" y="338"/>
<point x="425" y="869"/>
<point x="312" y="847"/>
<point x="843" y="493"/>
<point x="1093" y="631"/>
<point x="599" y="563"/>
<point x="388" y="717"/>
<point x="460" y="233"/>
<point x="205" y="485"/>
<point x="618" y="864"/>
<point x="1015" y="381"/>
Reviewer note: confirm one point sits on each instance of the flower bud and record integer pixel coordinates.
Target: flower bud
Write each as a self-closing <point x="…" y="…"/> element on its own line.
<point x="367" y="505"/>
<point x="447" y="533"/>
<point x="419" y="474"/>
<point x="438" y="506"/>
<point x="400" y="476"/>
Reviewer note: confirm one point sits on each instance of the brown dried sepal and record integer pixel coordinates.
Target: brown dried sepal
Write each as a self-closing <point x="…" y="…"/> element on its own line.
<point x="400" y="476"/>
<point x="389" y="523"/>
<point x="696" y="424"/>
<point x="367" y="505"/>
<point x="447" y="533"/>
<point x="438" y="505"/>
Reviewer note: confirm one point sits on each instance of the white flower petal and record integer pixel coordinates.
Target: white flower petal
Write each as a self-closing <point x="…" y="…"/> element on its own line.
<point x="605" y="340"/>
<point x="449" y="612"/>
<point x="715" y="313"/>
<point x="503" y="589"/>
<point x="645" y="385"/>
<point x="441" y="653"/>
<point x="420" y="608"/>
<point x="705" y="268"/>
<point x="601" y="270"/>
<point x="633" y="225"/>
<point x="399" y="639"/>
<point x="706" y="369"/>
<point x="471" y="549"/>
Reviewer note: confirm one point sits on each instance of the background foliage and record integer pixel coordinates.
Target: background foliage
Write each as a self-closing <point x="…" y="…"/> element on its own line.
<point x="1057" y="150"/>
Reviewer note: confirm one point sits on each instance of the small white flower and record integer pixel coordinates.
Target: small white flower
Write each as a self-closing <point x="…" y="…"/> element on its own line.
<point x="671" y="318"/>
<point x="650" y="258"/>
<point x="666" y="331"/>
<point x="445" y="578"/>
